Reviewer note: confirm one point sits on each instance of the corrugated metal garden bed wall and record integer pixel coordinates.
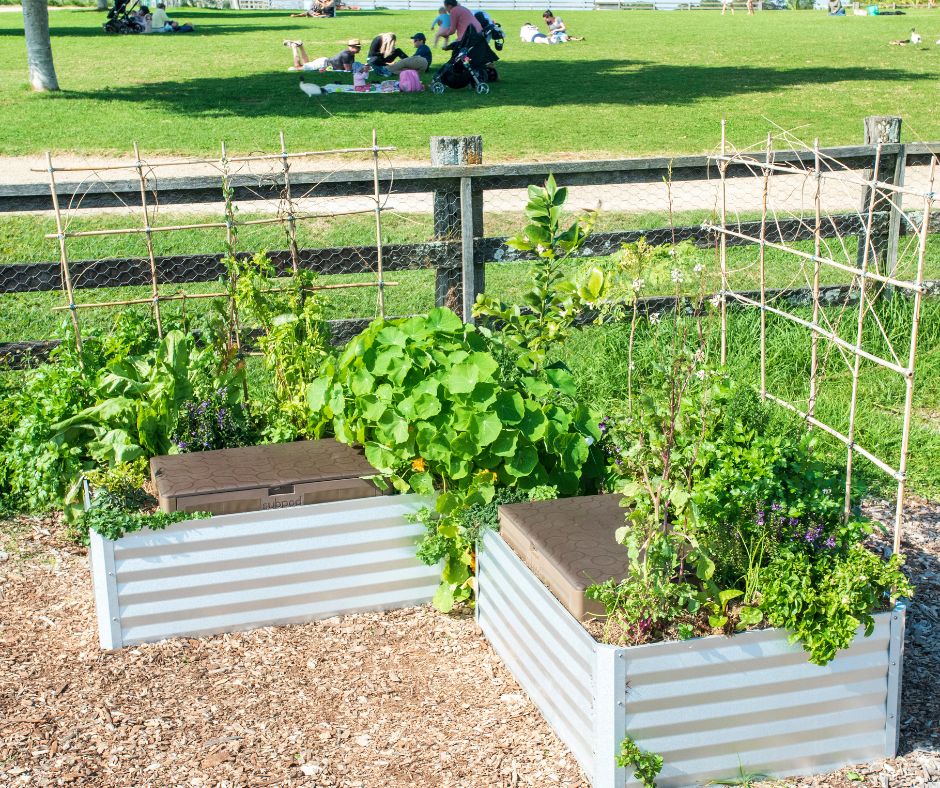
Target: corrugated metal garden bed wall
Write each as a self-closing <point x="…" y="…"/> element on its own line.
<point x="242" y="571"/>
<point x="710" y="706"/>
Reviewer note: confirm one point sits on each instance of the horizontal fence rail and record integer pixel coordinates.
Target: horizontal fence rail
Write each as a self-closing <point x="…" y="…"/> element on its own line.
<point x="444" y="255"/>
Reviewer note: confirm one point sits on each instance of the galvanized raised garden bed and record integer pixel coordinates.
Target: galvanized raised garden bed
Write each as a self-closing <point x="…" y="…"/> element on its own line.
<point x="254" y="569"/>
<point x="710" y="706"/>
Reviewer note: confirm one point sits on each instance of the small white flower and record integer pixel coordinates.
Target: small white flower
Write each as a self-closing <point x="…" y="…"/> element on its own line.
<point x="637" y="285"/>
<point x="632" y="366"/>
<point x="539" y="249"/>
<point x="700" y="374"/>
<point x="677" y="276"/>
<point x="654" y="319"/>
<point x="715" y="300"/>
<point x="699" y="268"/>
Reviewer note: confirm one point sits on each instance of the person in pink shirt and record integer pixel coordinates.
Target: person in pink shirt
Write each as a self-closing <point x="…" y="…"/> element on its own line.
<point x="460" y="19"/>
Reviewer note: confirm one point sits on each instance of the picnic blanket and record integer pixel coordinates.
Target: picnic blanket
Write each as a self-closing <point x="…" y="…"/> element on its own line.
<point x="372" y="88"/>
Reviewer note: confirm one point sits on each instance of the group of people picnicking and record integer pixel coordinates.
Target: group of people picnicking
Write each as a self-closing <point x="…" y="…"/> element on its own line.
<point x="158" y="21"/>
<point x="384" y="57"/>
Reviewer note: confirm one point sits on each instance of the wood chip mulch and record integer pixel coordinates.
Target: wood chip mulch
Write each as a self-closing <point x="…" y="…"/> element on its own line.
<point x="404" y="698"/>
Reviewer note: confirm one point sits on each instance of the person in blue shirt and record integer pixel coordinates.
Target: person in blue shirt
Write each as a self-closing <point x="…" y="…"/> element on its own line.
<point x="420" y="61"/>
<point x="441" y="22"/>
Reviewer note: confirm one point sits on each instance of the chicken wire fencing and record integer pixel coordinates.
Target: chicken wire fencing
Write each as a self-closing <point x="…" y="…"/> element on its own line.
<point x="868" y="230"/>
<point x="259" y="207"/>
<point x="167" y="228"/>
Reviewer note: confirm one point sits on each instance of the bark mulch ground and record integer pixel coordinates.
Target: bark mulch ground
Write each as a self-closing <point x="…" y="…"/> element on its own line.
<point x="405" y="698"/>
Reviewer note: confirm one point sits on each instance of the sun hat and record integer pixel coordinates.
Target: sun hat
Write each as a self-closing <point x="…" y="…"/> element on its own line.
<point x="354" y="42"/>
<point x="419" y="36"/>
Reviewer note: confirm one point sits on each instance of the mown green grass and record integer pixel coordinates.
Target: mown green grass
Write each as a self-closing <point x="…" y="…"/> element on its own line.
<point x="641" y="82"/>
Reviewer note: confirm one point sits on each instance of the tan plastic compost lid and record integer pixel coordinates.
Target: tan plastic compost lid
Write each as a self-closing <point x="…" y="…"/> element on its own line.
<point x="568" y="544"/>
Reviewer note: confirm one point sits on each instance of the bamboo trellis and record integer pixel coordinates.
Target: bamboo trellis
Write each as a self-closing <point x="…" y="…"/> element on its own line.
<point x="287" y="216"/>
<point x="873" y="277"/>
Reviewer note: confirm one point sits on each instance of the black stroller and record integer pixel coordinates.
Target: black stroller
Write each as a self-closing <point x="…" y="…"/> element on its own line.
<point x="471" y="64"/>
<point x="492" y="32"/>
<point x="119" y="19"/>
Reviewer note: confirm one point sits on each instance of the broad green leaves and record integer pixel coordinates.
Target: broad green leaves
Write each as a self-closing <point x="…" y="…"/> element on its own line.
<point x="426" y="399"/>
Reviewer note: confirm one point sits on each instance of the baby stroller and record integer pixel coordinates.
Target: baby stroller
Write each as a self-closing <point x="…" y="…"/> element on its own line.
<point x="492" y="32"/>
<point x="470" y="64"/>
<point x="119" y="20"/>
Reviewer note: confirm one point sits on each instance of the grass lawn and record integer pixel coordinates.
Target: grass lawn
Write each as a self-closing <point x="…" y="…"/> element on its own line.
<point x="643" y="82"/>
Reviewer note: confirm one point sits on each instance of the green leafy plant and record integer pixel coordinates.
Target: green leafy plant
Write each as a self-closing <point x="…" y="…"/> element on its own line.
<point x="424" y="397"/>
<point x="114" y="523"/>
<point x="139" y="400"/>
<point x="294" y="342"/>
<point x="822" y="596"/>
<point x="121" y="486"/>
<point x="553" y="301"/>
<point x="37" y="465"/>
<point x="646" y="765"/>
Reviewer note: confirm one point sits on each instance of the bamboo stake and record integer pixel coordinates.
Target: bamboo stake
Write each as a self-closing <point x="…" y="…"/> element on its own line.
<point x="231" y="236"/>
<point x="149" y="236"/>
<point x="723" y="247"/>
<point x="238" y="159"/>
<point x="831" y="336"/>
<point x="903" y="284"/>
<point x="189" y="296"/>
<point x="817" y="248"/>
<point x="291" y="225"/>
<point x="763" y="281"/>
<point x="63" y="253"/>
<point x="207" y="225"/>
<point x="859" y="332"/>
<point x="896" y="474"/>
<point x="842" y="176"/>
<point x="378" y="223"/>
<point x="909" y="382"/>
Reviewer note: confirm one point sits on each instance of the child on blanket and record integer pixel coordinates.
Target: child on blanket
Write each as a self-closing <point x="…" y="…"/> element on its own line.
<point x="344" y="61"/>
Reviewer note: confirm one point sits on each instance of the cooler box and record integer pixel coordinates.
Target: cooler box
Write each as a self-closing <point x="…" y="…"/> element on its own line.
<point x="260" y="478"/>
<point x="569" y="545"/>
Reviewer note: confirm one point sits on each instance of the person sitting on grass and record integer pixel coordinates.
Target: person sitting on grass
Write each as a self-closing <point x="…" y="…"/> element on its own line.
<point x="441" y="21"/>
<point x="420" y="61"/>
<point x="344" y="61"/>
<point x="382" y="51"/>
<point x="557" y="30"/>
<point x="320" y="8"/>
<point x="161" y="23"/>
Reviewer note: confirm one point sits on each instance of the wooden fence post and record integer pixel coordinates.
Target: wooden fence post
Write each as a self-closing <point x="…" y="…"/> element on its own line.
<point x="882" y="129"/>
<point x="450" y="284"/>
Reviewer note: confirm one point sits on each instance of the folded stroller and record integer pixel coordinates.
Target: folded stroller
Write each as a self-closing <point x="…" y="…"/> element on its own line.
<point x="470" y="65"/>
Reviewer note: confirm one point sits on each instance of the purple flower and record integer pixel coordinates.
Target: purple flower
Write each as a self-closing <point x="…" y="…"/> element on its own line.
<point x="831" y="542"/>
<point x="776" y="507"/>
<point x="812" y="534"/>
<point x="760" y="517"/>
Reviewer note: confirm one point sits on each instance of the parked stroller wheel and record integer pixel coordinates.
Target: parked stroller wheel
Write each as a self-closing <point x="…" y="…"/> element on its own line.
<point x="437" y="87"/>
<point x="483" y="88"/>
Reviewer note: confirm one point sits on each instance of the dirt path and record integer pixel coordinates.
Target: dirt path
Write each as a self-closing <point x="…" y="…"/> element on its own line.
<point x="406" y="698"/>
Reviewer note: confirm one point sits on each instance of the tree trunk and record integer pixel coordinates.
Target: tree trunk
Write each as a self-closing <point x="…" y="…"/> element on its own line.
<point x="38" y="46"/>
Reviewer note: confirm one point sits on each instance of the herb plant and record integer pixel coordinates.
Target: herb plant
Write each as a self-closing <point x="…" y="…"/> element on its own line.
<point x="646" y="765"/>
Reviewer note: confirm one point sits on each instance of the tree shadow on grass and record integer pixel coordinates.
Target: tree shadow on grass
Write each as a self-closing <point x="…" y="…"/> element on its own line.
<point x="533" y="84"/>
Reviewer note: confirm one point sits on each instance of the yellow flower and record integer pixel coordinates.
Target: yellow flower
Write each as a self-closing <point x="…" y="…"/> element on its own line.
<point x="418" y="464"/>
